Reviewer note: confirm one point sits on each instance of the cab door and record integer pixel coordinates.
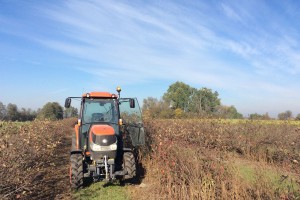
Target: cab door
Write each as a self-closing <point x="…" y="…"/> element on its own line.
<point x="131" y="115"/>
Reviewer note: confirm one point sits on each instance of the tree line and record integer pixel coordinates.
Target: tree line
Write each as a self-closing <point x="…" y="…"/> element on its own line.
<point x="50" y="111"/>
<point x="287" y="115"/>
<point x="179" y="101"/>
<point x="184" y="101"/>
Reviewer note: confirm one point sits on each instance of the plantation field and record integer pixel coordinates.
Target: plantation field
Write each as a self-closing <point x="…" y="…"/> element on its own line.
<point x="222" y="159"/>
<point x="183" y="159"/>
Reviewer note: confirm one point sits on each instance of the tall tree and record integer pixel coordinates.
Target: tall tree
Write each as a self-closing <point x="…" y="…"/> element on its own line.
<point x="70" y="112"/>
<point x="12" y="112"/>
<point x="185" y="101"/>
<point x="178" y="95"/>
<point x="285" y="115"/>
<point x="204" y="101"/>
<point x="52" y="111"/>
<point x="2" y="111"/>
<point x="23" y="114"/>
<point x="27" y="114"/>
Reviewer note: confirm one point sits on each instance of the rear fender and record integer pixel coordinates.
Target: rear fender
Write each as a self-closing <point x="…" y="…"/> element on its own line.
<point x="76" y="143"/>
<point x="75" y="149"/>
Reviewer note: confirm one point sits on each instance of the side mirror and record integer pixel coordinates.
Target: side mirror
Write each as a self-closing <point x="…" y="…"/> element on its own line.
<point x="132" y="103"/>
<point x="68" y="102"/>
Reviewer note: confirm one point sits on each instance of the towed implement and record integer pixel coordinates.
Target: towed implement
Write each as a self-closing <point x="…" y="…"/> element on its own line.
<point x="106" y="138"/>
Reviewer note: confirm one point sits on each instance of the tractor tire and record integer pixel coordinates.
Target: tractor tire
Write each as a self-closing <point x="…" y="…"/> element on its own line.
<point x="76" y="171"/>
<point x="129" y="165"/>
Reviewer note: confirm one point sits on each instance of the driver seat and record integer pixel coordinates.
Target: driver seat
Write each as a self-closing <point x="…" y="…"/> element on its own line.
<point x="97" y="117"/>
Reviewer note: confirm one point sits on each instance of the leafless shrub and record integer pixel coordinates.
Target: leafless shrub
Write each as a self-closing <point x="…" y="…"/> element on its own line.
<point x="190" y="158"/>
<point x="33" y="162"/>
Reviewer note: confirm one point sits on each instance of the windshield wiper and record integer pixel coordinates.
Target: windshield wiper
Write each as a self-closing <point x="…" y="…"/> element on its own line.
<point x="110" y="109"/>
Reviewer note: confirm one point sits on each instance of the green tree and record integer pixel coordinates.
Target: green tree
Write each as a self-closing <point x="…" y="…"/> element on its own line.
<point x="70" y="112"/>
<point x="12" y="113"/>
<point x="23" y="114"/>
<point x="285" y="115"/>
<point x="182" y="100"/>
<point x="27" y="114"/>
<point x="178" y="95"/>
<point x="298" y="117"/>
<point x="52" y="111"/>
<point x="196" y="103"/>
<point x="204" y="101"/>
<point x="256" y="116"/>
<point x="2" y="111"/>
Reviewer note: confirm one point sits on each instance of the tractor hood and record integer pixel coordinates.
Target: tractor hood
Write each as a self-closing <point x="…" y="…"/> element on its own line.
<point x="101" y="137"/>
<point x="102" y="129"/>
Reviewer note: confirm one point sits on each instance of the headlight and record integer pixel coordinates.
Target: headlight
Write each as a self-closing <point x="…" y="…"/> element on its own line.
<point x="96" y="147"/>
<point x="113" y="146"/>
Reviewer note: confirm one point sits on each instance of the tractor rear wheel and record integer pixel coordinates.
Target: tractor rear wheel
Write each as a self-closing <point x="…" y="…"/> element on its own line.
<point x="76" y="171"/>
<point x="129" y="165"/>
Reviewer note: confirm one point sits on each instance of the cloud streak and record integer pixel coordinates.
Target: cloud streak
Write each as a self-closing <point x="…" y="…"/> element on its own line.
<point x="246" y="49"/>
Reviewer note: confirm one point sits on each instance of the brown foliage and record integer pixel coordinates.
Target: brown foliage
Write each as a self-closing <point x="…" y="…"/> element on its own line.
<point x="191" y="159"/>
<point x="34" y="160"/>
<point x="185" y="159"/>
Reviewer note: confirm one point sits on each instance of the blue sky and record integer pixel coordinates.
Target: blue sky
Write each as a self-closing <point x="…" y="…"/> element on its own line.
<point x="248" y="51"/>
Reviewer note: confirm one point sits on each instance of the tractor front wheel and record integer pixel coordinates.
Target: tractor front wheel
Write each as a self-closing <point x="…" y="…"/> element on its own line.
<point x="129" y="165"/>
<point x="76" y="171"/>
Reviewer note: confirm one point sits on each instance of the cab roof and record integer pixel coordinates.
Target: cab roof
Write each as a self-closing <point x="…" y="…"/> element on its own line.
<point x="99" y="95"/>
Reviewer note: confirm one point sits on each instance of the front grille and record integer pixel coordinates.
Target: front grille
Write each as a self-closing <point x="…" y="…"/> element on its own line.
<point x="98" y="155"/>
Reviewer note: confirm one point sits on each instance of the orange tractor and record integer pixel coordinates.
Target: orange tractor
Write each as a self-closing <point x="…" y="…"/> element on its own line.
<point x="106" y="138"/>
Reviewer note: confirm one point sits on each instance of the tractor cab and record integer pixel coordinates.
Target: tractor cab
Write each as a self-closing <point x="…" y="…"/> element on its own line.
<point x="108" y="132"/>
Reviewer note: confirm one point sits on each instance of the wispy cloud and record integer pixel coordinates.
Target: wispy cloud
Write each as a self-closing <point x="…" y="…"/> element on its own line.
<point x="148" y="39"/>
<point x="140" y="41"/>
<point x="230" y="12"/>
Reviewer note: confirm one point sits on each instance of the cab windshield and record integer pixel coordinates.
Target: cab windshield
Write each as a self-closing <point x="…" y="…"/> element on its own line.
<point x="100" y="111"/>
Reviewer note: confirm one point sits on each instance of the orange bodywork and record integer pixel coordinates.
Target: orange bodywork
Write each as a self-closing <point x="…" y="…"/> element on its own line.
<point x="99" y="94"/>
<point x="101" y="130"/>
<point x="77" y="135"/>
